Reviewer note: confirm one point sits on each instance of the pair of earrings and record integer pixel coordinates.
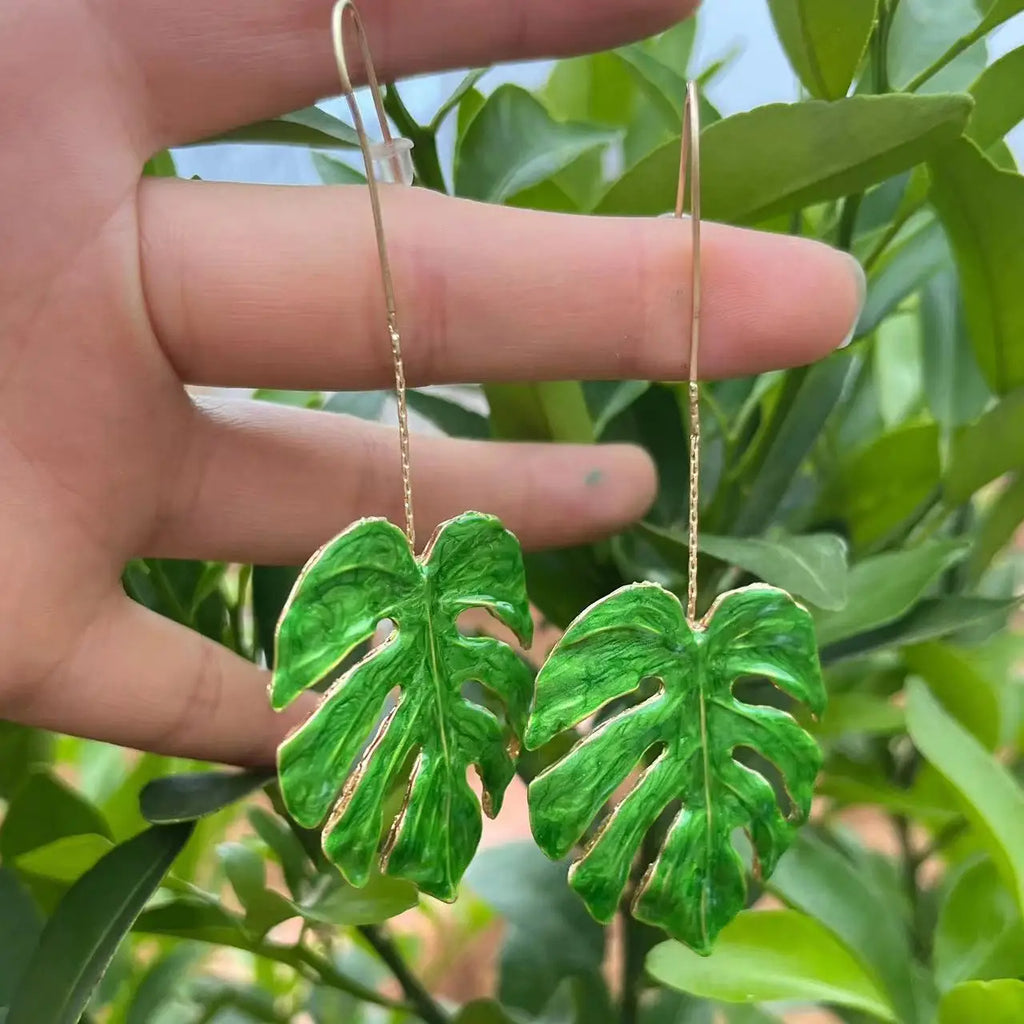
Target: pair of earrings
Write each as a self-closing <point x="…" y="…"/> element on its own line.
<point x="682" y="739"/>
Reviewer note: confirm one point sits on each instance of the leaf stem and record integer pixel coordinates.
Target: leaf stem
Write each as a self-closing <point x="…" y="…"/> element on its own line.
<point x="963" y="43"/>
<point x="848" y="220"/>
<point x="419" y="998"/>
<point x="425" y="160"/>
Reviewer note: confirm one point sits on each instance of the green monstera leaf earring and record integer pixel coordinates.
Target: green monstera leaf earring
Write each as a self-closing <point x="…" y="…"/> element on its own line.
<point x="685" y="738"/>
<point x="343" y="762"/>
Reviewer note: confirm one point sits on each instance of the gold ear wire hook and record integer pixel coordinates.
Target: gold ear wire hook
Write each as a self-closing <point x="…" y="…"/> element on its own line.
<point x="341" y="8"/>
<point x="689" y="167"/>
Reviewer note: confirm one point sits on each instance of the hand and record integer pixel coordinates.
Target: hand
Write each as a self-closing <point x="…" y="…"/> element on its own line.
<point x="114" y="293"/>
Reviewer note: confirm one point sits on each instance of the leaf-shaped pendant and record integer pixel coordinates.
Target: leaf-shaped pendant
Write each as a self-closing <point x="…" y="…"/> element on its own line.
<point x="689" y="731"/>
<point x="365" y="575"/>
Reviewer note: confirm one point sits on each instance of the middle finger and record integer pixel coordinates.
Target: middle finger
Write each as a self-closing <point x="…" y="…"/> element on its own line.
<point x="253" y="286"/>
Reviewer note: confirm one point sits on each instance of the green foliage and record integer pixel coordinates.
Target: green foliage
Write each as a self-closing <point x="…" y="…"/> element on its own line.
<point x="883" y="487"/>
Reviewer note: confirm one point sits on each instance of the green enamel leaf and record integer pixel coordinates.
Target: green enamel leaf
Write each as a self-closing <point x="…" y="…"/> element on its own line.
<point x="687" y="733"/>
<point x="365" y="575"/>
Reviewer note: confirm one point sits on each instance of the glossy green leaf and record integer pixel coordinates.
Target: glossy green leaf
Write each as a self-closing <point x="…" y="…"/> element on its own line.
<point x="960" y="688"/>
<point x="994" y="1002"/>
<point x="858" y="712"/>
<point x="364" y="575"/>
<point x="333" y="171"/>
<point x="483" y="1011"/>
<point x="380" y="899"/>
<point x="65" y="859"/>
<point x="608" y="399"/>
<point x="160" y="165"/>
<point x="883" y="485"/>
<point x="160" y="983"/>
<point x="825" y="42"/>
<point x="451" y="417"/>
<point x="43" y="811"/>
<point x="921" y="31"/>
<point x="547" y="411"/>
<point x="549" y="936"/>
<point x="598" y="88"/>
<point x="22" y="751"/>
<point x="308" y="127"/>
<point x="817" y="879"/>
<point x="812" y="566"/>
<point x="832" y="150"/>
<point x="955" y="391"/>
<point x="20" y="926"/>
<point x="512" y="144"/>
<point x="930" y="619"/>
<point x="998" y="11"/>
<point x="197" y="794"/>
<point x="999" y="526"/>
<point x="998" y="99"/>
<point x="906" y="267"/>
<point x="772" y="956"/>
<point x="696" y="884"/>
<point x="987" y="448"/>
<point x="979" y="933"/>
<point x="280" y="839"/>
<point x="82" y="935"/>
<point x="982" y="208"/>
<point x="884" y="587"/>
<point x="989" y="796"/>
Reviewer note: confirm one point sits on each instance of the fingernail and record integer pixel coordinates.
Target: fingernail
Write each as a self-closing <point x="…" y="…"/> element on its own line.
<point x="862" y="293"/>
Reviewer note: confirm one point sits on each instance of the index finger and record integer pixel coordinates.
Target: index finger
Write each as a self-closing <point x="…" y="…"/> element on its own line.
<point x="211" y="65"/>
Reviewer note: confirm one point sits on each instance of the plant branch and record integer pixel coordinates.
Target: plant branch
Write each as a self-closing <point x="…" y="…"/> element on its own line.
<point x="419" y="998"/>
<point x="949" y="833"/>
<point x="848" y="220"/>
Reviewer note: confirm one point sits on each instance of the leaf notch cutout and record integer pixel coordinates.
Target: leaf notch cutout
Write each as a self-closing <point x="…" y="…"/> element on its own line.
<point x="367" y="574"/>
<point x="697" y="883"/>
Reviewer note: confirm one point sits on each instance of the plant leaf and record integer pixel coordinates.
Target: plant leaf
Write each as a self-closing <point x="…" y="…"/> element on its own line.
<point x="65" y="859"/>
<point x="987" y="448"/>
<point x="308" y="127"/>
<point x="197" y="794"/>
<point x="513" y="144"/>
<point x="454" y="419"/>
<point x="955" y="391"/>
<point x="549" y="935"/>
<point x="989" y="796"/>
<point x="20" y="925"/>
<point x="160" y="983"/>
<point x="696" y="884"/>
<point x="772" y="956"/>
<point x="832" y="150"/>
<point x="812" y="566"/>
<point x="364" y="575"/>
<point x="825" y="43"/>
<point x="998" y="99"/>
<point x="921" y="31"/>
<point x="982" y="208"/>
<point x="333" y="171"/>
<point x="817" y="879"/>
<point x="995" y="1002"/>
<point x="979" y="933"/>
<point x="81" y="937"/>
<point x="998" y="12"/>
<point x="884" y="587"/>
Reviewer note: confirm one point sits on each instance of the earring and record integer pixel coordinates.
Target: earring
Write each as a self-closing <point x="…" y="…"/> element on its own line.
<point x="357" y="742"/>
<point x="683" y="738"/>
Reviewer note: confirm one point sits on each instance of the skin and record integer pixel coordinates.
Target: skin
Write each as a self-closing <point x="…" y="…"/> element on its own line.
<point x="116" y="292"/>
